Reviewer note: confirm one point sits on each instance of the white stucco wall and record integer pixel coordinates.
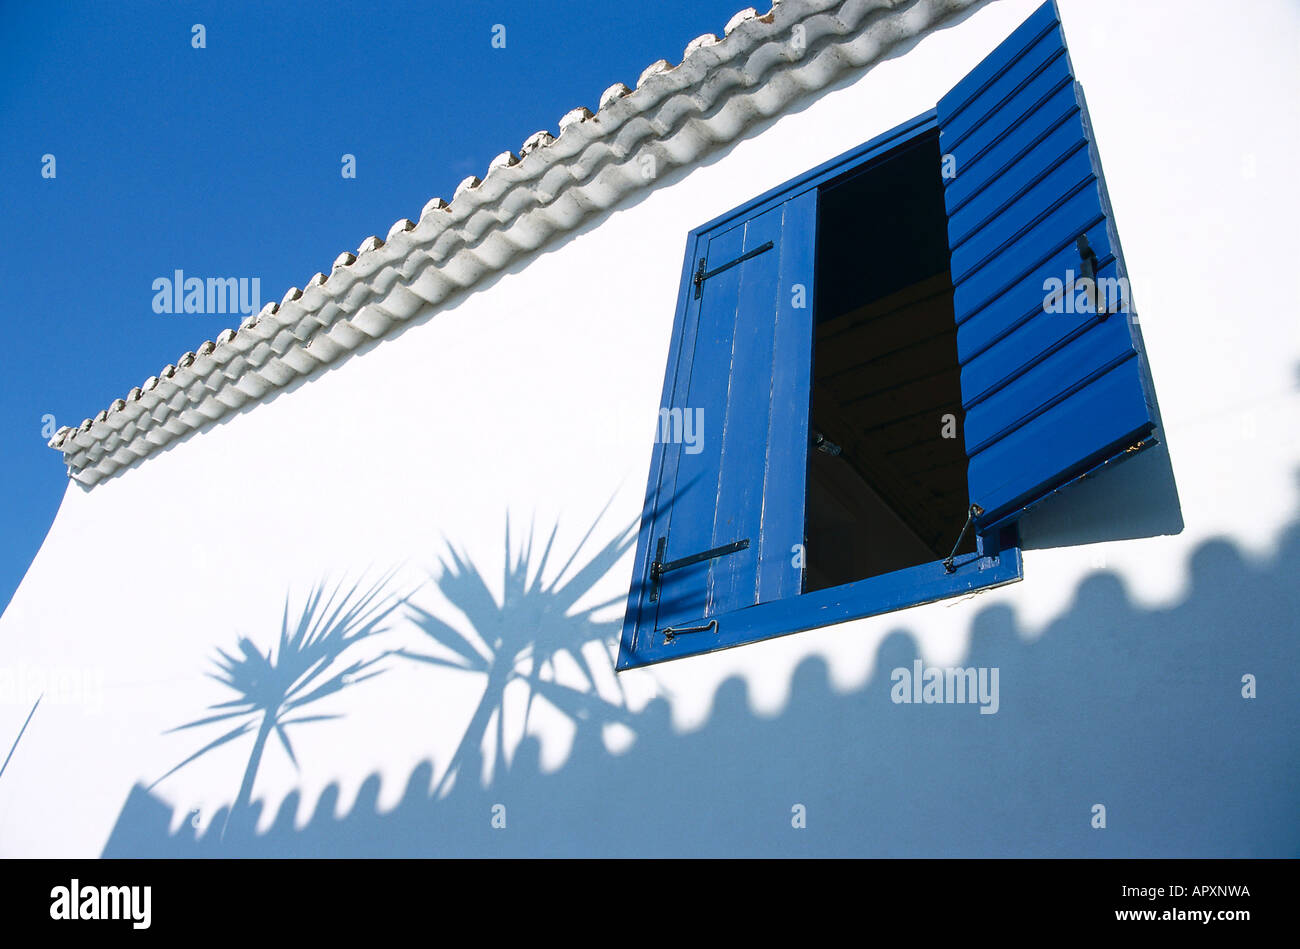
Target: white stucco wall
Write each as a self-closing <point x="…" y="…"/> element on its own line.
<point x="535" y="399"/>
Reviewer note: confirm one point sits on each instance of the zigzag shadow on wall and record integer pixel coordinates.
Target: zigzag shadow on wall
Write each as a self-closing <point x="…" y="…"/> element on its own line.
<point x="1141" y="710"/>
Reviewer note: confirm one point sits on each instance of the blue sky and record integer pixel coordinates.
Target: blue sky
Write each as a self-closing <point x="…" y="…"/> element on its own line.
<point x="225" y="162"/>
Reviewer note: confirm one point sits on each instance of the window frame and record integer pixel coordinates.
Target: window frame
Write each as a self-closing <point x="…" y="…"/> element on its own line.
<point x="997" y="560"/>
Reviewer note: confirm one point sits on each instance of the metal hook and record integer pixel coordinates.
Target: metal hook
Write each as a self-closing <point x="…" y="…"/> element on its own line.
<point x="670" y="633"/>
<point x="974" y="512"/>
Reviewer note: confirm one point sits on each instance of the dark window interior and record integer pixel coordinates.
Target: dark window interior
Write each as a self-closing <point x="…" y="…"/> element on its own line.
<point x="885" y="373"/>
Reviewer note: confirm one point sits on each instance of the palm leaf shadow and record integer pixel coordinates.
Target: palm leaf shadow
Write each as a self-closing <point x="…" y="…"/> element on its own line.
<point x="516" y="640"/>
<point x="273" y="690"/>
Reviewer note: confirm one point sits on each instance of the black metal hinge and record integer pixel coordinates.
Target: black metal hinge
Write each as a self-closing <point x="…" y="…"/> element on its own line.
<point x="659" y="567"/>
<point x="702" y="275"/>
<point x="824" y="444"/>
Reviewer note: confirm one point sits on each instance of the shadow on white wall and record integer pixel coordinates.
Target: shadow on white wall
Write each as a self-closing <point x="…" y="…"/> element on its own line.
<point x="1139" y="710"/>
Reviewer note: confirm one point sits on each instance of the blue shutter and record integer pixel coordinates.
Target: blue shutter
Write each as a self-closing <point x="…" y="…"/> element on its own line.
<point x="1047" y="395"/>
<point x="742" y="355"/>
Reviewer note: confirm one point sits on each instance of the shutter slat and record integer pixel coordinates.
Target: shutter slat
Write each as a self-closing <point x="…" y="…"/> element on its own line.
<point x="1064" y="143"/>
<point x="1044" y="383"/>
<point x="1024" y="300"/>
<point x="1024" y="347"/>
<point x="688" y="523"/>
<point x="978" y="166"/>
<point x="743" y="431"/>
<point x="1047" y="395"/>
<point x="1028" y="464"/>
<point x="1037" y="244"/>
<point x="791" y="374"/>
<point x="1052" y="210"/>
<point x="990" y="99"/>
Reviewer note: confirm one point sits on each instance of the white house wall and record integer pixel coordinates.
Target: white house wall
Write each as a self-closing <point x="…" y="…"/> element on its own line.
<point x="532" y="402"/>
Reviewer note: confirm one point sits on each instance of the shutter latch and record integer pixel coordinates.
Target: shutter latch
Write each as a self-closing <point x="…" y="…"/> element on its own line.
<point x="1088" y="275"/>
<point x="702" y="275"/>
<point x="659" y="568"/>
<point x="672" y="632"/>
<point x="974" y="512"/>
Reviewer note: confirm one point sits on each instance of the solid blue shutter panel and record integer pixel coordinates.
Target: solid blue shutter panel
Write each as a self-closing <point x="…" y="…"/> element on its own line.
<point x="1051" y="388"/>
<point x="742" y="360"/>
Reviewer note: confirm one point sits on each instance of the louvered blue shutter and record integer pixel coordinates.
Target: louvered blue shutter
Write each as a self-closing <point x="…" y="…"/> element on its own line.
<point x="742" y="358"/>
<point x="1051" y="388"/>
